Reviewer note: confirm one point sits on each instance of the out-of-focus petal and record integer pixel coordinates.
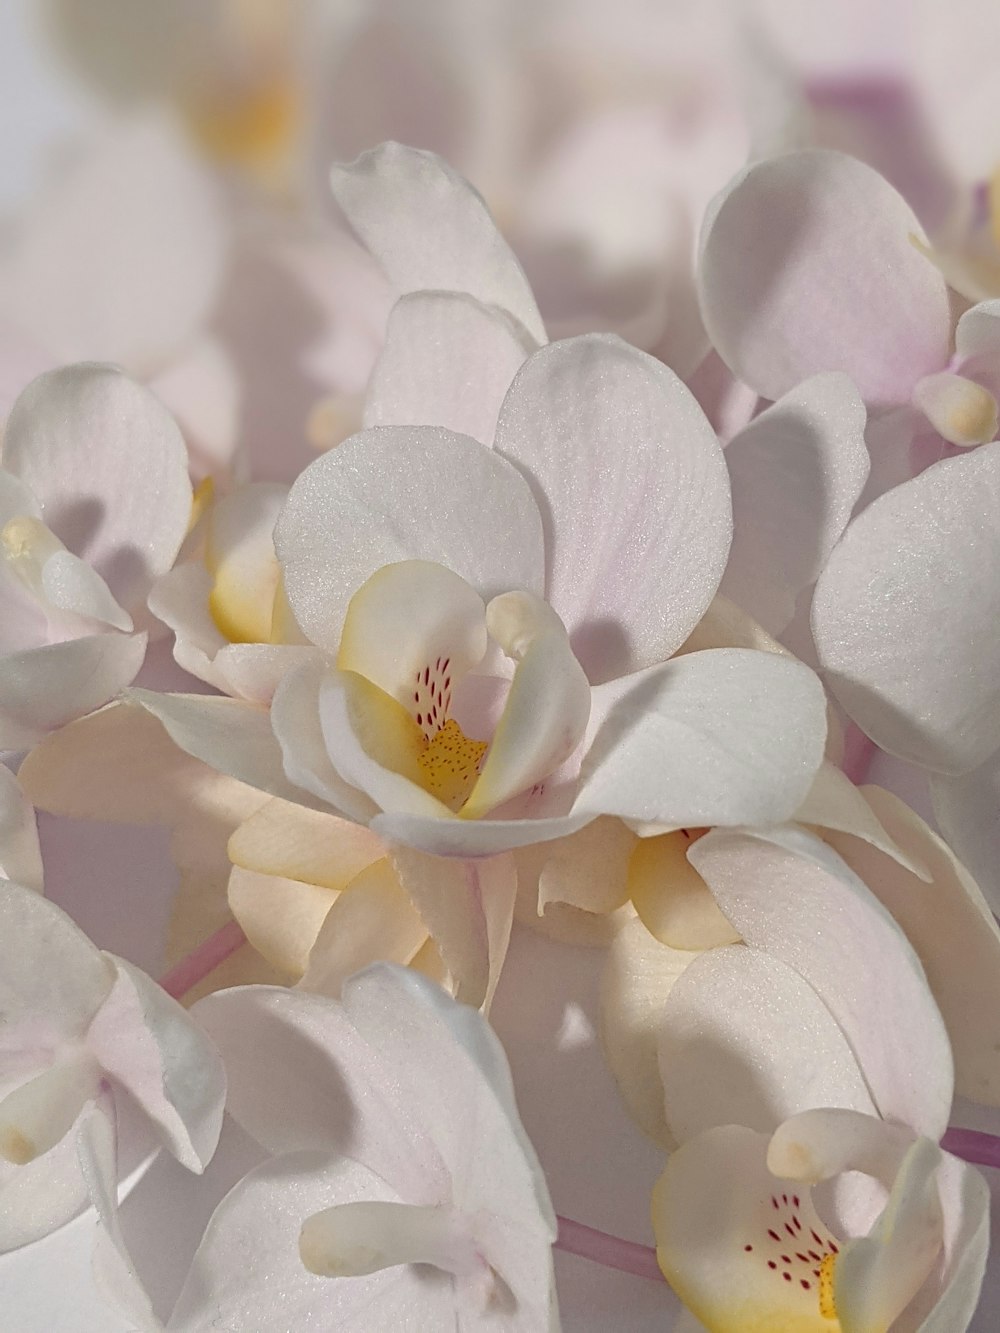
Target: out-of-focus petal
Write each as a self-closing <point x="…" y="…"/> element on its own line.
<point x="129" y="282"/>
<point x="745" y="1040"/>
<point x="725" y="736"/>
<point x="904" y="615"/>
<point x="479" y="520"/>
<point x="203" y="392"/>
<point x="20" y="854"/>
<point x="468" y="908"/>
<point x="778" y="889"/>
<point x="609" y="437"/>
<point x="448" y="361"/>
<point x="965" y="808"/>
<point x="962" y="962"/>
<point x="807" y="264"/>
<point x="109" y="468"/>
<point x="431" y="231"/>
<point x="153" y="1048"/>
<point x="796" y="471"/>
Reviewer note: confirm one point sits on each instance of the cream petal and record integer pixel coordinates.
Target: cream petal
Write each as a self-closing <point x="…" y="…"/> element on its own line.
<point x="608" y="436"/>
<point x="109" y="467"/>
<point x="280" y="917"/>
<point x="807" y="265"/>
<point x="477" y="518"/>
<point x="835" y="805"/>
<point x="42" y="1111"/>
<point x="923" y="555"/>
<point x="796" y="471"/>
<point x="448" y="361"/>
<point x="20" y="854"/>
<point x="305" y="845"/>
<point x="673" y="901"/>
<point x="431" y="231"/>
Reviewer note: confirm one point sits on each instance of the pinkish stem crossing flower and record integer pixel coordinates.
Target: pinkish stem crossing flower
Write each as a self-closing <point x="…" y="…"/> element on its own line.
<point x="196" y="966"/>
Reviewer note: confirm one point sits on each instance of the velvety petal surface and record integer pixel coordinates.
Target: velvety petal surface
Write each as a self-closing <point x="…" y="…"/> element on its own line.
<point x="632" y="487"/>
<point x="904" y="615"/>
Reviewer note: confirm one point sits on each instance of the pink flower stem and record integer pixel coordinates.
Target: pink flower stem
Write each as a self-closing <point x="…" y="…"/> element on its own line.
<point x="859" y="751"/>
<point x="973" y="1146"/>
<point x="628" y="1256"/>
<point x="196" y="966"/>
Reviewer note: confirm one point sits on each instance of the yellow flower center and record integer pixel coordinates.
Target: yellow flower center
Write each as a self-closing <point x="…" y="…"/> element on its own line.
<point x="254" y="129"/>
<point x="827" y="1304"/>
<point x="450" y="764"/>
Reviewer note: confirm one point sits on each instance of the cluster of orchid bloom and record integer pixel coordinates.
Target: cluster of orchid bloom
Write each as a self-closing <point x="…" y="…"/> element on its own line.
<point x="567" y="632"/>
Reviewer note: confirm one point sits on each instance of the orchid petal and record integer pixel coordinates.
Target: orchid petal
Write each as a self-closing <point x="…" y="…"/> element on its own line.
<point x="305" y="845"/>
<point x="440" y="836"/>
<point x="669" y="735"/>
<point x="546" y="711"/>
<point x="965" y="810"/>
<point x="42" y="1195"/>
<point x="721" y="1218"/>
<point x="977" y="333"/>
<point x="239" y="553"/>
<point x="808" y="264"/>
<point x="203" y="392"/>
<point x="230" y="735"/>
<point x="797" y="471"/>
<point x="744" y="1039"/>
<point x="365" y="487"/>
<point x="372" y="920"/>
<point x="44" y="688"/>
<point x="924" y="554"/>
<point x="20" y="854"/>
<point x="41" y="1112"/>
<point x="468" y="908"/>
<point x="280" y="917"/>
<point x="147" y="1041"/>
<point x="963" y="962"/>
<point x="132" y="285"/>
<point x="673" y="901"/>
<point x="16" y="500"/>
<point x="588" y="871"/>
<point x="776" y="888"/>
<point x="835" y="806"/>
<point x="638" y="977"/>
<point x="109" y="467"/>
<point x="608" y="436"/>
<point x="447" y="361"/>
<point x="431" y="231"/>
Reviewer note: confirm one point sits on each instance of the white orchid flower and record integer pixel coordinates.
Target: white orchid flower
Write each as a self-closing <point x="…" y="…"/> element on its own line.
<point x="20" y="854"/>
<point x="403" y="1189"/>
<point x="80" y="1026"/>
<point x="94" y="503"/>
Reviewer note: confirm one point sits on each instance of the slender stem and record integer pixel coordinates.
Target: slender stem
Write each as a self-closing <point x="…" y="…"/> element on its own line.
<point x="973" y="1146"/>
<point x="859" y="751"/>
<point x="196" y="966"/>
<point x="628" y="1256"/>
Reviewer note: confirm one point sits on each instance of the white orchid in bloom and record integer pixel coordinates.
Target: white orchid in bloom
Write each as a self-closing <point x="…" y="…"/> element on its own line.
<point x="403" y="1190"/>
<point x="81" y="1027"/>
<point x="94" y="503"/>
<point x="812" y="262"/>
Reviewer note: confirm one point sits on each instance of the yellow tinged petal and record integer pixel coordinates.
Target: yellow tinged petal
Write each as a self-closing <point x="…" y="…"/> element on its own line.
<point x="672" y="900"/>
<point x="307" y="845"/>
<point x="384" y="729"/>
<point x="282" y="918"/>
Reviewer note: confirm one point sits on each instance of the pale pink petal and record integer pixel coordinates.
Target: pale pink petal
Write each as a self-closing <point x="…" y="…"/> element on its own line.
<point x="114" y="1270"/>
<point x="670" y="750"/>
<point x="777" y="889"/>
<point x="745" y="1040"/>
<point x="20" y="854"/>
<point x="977" y="333"/>
<point x="230" y="735"/>
<point x="905" y="611"/>
<point x="963" y="962"/>
<point x="123" y="261"/>
<point x="807" y="264"/>
<point x="150" y="1045"/>
<point x="44" y="688"/>
<point x="447" y="361"/>
<point x="109" y="468"/>
<point x="479" y="520"/>
<point x="468" y="908"/>
<point x="609" y="437"/>
<point x="796" y="471"/>
<point x="431" y="231"/>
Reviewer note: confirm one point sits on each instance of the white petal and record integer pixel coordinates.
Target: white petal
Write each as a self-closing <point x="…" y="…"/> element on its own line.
<point x="128" y="283"/>
<point x="779" y="889"/>
<point x="151" y="1046"/>
<point x="608" y="437"/>
<point x="904" y="615"/>
<point x="45" y="688"/>
<point x="447" y="361"/>
<point x="37" y="1198"/>
<point x="404" y="493"/>
<point x="834" y="805"/>
<point x="745" y="1040"/>
<point x="431" y="231"/>
<point x="439" y="836"/>
<point x="796" y="471"/>
<point x="20" y="855"/>
<point x="725" y="736"/>
<point x="109" y="468"/>
<point x="965" y="808"/>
